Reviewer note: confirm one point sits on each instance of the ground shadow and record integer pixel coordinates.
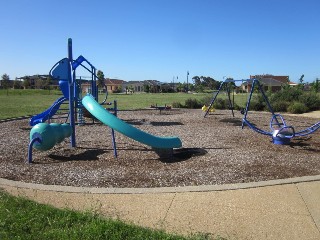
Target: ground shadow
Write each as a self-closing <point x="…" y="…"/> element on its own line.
<point x="303" y="144"/>
<point x="216" y="114"/>
<point x="234" y="121"/>
<point x="183" y="154"/>
<point x="88" y="155"/>
<point x="165" y="123"/>
<point x="137" y="122"/>
<point x="26" y="128"/>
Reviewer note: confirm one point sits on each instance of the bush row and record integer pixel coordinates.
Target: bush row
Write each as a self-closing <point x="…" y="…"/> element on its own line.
<point x="291" y="100"/>
<point x="195" y="104"/>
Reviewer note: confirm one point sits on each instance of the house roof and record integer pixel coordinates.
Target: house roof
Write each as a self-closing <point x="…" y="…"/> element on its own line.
<point x="271" y="81"/>
<point x="283" y="79"/>
<point x="110" y="81"/>
<point x="266" y="81"/>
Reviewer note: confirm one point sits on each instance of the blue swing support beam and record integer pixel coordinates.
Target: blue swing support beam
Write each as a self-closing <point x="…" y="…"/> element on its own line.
<point x="283" y="133"/>
<point x="280" y="132"/>
<point x="225" y="82"/>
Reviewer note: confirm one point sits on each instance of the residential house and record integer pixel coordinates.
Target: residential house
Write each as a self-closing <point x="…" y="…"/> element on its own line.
<point x="269" y="82"/>
<point x="132" y="86"/>
<point x="85" y="86"/>
<point x="114" y="85"/>
<point x="38" y="81"/>
<point x="141" y="86"/>
<point x="153" y="86"/>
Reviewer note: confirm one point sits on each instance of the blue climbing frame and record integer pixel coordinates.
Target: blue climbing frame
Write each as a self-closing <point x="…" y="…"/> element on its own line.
<point x="65" y="71"/>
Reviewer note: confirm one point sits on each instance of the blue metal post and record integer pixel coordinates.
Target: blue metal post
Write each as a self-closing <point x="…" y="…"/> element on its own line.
<point x="113" y="133"/>
<point x="265" y="97"/>
<point x="71" y="94"/>
<point x="248" y="102"/>
<point x="30" y="148"/>
<point x="213" y="99"/>
<point x="94" y="84"/>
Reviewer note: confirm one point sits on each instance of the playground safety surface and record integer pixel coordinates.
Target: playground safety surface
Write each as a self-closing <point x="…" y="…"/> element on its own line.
<point x="215" y="151"/>
<point x="199" y="190"/>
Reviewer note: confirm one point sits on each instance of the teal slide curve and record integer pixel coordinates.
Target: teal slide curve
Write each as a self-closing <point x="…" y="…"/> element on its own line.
<point x="126" y="129"/>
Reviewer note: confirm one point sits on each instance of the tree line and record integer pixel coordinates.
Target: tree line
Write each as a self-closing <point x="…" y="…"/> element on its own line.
<point x="200" y="83"/>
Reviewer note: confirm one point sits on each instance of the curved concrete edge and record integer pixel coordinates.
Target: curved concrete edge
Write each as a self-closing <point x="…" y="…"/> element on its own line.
<point x="202" y="188"/>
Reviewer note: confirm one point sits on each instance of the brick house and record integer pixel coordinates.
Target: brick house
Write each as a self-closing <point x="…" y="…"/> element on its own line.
<point x="114" y="85"/>
<point x="274" y="83"/>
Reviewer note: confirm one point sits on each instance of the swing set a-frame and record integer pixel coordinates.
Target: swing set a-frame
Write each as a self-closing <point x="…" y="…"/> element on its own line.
<point x="280" y="132"/>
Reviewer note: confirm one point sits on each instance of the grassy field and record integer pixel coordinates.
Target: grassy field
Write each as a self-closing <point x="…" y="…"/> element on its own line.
<point x="17" y="103"/>
<point x="25" y="219"/>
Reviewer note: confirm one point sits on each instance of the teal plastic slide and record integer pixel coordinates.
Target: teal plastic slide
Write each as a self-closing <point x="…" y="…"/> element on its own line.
<point x="128" y="130"/>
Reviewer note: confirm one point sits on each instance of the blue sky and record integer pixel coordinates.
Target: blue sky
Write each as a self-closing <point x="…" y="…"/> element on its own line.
<point x="163" y="39"/>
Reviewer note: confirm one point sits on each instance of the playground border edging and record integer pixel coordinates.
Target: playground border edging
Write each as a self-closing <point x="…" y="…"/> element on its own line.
<point x="202" y="188"/>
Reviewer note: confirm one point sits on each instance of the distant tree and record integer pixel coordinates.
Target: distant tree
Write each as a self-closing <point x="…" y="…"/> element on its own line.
<point x="180" y="87"/>
<point x="26" y="82"/>
<point x="101" y="79"/>
<point x="146" y="88"/>
<point x="301" y="79"/>
<point x="5" y="77"/>
<point x="5" y="81"/>
<point x="208" y="82"/>
<point x="46" y="82"/>
<point x="315" y="86"/>
<point x="38" y="83"/>
<point x="191" y="87"/>
<point x="196" y="80"/>
<point x="301" y="84"/>
<point x="203" y="82"/>
<point x="17" y="84"/>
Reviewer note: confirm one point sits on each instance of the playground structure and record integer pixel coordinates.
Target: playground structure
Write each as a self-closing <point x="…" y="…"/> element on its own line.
<point x="44" y="136"/>
<point x="280" y="132"/>
<point x="229" y="85"/>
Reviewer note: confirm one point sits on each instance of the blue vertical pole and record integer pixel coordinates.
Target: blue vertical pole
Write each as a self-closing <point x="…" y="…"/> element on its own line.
<point x="213" y="99"/>
<point x="71" y="94"/>
<point x="115" y="152"/>
<point x="248" y="101"/>
<point x="95" y="84"/>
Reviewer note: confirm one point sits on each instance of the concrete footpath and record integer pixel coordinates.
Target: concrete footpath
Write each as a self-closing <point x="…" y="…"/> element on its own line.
<point x="280" y="209"/>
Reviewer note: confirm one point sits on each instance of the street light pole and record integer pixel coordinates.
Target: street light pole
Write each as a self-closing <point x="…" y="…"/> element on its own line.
<point x="187" y="82"/>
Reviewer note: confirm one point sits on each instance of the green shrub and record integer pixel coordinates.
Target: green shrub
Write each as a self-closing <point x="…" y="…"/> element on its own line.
<point x="206" y="100"/>
<point x="177" y="105"/>
<point x="280" y="106"/>
<point x="257" y="103"/>
<point x="311" y="100"/>
<point x="219" y="103"/>
<point x="297" y="107"/>
<point x="192" y="103"/>
<point x="286" y="94"/>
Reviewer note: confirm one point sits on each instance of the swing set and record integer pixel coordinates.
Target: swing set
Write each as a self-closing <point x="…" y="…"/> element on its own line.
<point x="228" y="85"/>
<point x="280" y="132"/>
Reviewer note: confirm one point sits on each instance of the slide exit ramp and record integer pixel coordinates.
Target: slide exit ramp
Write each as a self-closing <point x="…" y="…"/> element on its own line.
<point x="126" y="129"/>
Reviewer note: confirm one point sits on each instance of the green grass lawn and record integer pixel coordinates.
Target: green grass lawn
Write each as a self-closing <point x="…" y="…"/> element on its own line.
<point x="17" y="103"/>
<point x="145" y="100"/>
<point x="25" y="219"/>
